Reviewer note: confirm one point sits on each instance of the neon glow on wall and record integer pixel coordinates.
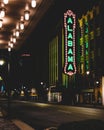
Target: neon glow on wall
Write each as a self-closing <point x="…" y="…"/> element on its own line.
<point x="69" y="25"/>
<point x="86" y="47"/>
<point x="103" y="90"/>
<point x="82" y="46"/>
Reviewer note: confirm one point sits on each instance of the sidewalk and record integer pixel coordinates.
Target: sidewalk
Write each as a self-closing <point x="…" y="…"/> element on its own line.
<point x="6" y="124"/>
<point x="91" y="106"/>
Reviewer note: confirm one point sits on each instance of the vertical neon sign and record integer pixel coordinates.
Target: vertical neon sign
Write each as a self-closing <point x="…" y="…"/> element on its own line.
<point x="86" y="46"/>
<point x="69" y="25"/>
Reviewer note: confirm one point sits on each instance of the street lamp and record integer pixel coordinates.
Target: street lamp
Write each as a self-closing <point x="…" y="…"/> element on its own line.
<point x="87" y="72"/>
<point x="9" y="90"/>
<point x="88" y="78"/>
<point x="2" y="62"/>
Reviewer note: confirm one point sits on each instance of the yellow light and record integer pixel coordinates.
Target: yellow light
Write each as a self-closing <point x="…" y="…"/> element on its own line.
<point x="22" y="93"/>
<point x="17" y="33"/>
<point x="103" y="90"/>
<point x="14" y="39"/>
<point x="33" y="3"/>
<point x="88" y="72"/>
<point x="9" y="49"/>
<point x="27" y="14"/>
<point x="5" y="1"/>
<point x="21" y="25"/>
<point x="2" y="62"/>
<point x="17" y="30"/>
<point x="1" y="78"/>
<point x="2" y="13"/>
<point x="1" y="23"/>
<point x="10" y="44"/>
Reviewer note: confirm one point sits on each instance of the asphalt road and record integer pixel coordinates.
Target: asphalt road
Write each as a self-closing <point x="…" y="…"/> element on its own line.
<point x="43" y="115"/>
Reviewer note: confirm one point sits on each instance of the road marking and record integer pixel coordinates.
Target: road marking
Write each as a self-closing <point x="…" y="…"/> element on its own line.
<point x="65" y="111"/>
<point x="51" y="128"/>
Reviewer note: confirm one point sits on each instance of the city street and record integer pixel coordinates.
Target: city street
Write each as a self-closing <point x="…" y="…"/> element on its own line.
<point x="43" y="115"/>
<point x="52" y="64"/>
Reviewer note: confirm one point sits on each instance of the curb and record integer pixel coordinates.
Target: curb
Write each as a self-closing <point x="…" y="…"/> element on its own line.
<point x="22" y="125"/>
<point x="1" y="115"/>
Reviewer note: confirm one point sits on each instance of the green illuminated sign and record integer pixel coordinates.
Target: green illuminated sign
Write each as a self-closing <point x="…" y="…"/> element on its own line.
<point x="69" y="24"/>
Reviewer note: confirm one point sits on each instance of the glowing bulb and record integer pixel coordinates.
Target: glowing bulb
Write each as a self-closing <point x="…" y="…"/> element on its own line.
<point x="9" y="49"/>
<point x="22" y="25"/>
<point x="2" y="13"/>
<point x="27" y="13"/>
<point x="2" y="62"/>
<point x="5" y="1"/>
<point x="33" y="3"/>
<point x="10" y="44"/>
<point x="14" y="39"/>
<point x="17" y="33"/>
<point x="17" y="30"/>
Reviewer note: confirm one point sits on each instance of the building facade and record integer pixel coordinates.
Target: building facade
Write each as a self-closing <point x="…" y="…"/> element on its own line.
<point x="76" y="57"/>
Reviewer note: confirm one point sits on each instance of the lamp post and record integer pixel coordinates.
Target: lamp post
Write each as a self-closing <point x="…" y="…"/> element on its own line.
<point x="6" y="76"/>
<point x="88" y="78"/>
<point x="8" y="83"/>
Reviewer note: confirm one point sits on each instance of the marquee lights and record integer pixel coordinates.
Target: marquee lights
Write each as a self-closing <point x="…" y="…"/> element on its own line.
<point x="84" y="43"/>
<point x="69" y="25"/>
<point x="86" y="46"/>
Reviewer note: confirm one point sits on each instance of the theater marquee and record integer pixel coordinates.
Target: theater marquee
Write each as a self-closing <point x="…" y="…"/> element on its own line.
<point x="69" y="25"/>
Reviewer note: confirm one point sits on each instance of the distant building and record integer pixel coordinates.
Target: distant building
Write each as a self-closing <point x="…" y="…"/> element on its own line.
<point x="90" y="54"/>
<point x="76" y="70"/>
